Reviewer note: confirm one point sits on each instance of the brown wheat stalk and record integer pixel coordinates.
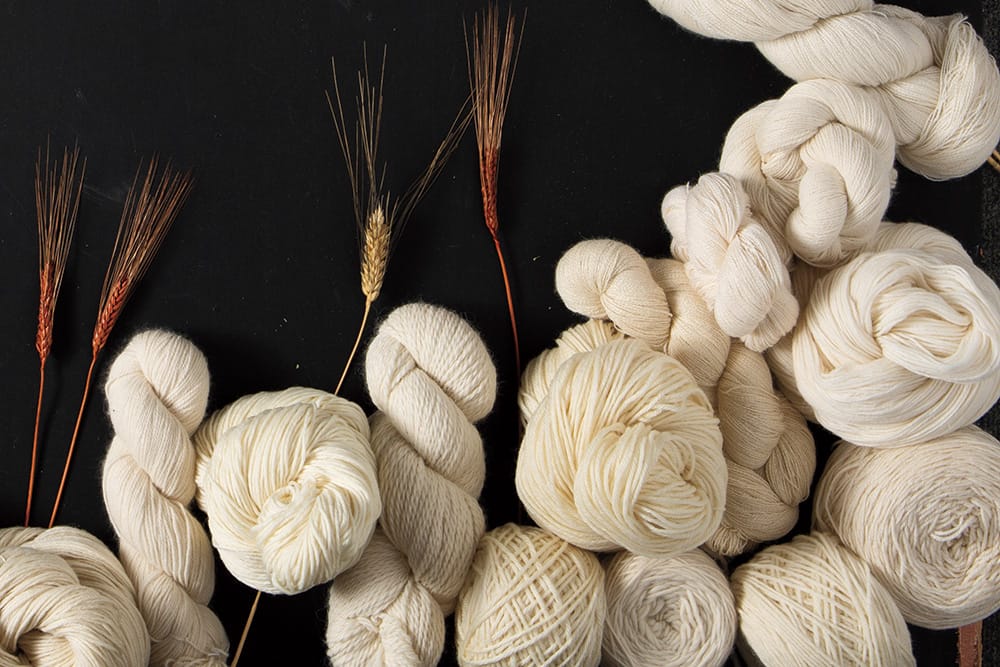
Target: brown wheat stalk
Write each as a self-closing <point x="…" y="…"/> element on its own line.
<point x="151" y="207"/>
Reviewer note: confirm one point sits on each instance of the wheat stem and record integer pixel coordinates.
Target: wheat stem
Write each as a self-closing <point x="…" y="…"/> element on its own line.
<point x="34" y="443"/>
<point x="357" y="343"/>
<point x="246" y="630"/>
<point x="72" y="443"/>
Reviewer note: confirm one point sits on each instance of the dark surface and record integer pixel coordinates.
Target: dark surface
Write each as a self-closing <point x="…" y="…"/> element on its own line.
<point x="612" y="105"/>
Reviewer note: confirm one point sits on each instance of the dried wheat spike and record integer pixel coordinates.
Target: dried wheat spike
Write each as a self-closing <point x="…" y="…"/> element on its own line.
<point x="994" y="160"/>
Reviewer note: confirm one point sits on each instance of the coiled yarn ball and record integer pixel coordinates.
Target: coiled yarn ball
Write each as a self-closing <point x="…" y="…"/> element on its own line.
<point x="926" y="519"/>
<point x="667" y="612"/>
<point x="812" y="602"/>
<point x="288" y="482"/>
<point x="531" y="599"/>
<point x="66" y="601"/>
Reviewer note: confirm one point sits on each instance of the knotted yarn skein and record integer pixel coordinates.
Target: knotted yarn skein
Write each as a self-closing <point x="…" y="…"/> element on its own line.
<point x="926" y="519"/>
<point x="157" y="391"/>
<point x="667" y="612"/>
<point x="288" y="482"/>
<point x="812" y="602"/>
<point x="531" y="599"/>
<point x="431" y="377"/>
<point x="66" y="601"/>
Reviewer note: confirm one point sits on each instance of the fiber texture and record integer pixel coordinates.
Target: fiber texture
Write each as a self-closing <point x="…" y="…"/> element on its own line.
<point x="431" y="377"/>
<point x="667" y="612"/>
<point x="812" y="602"/>
<point x="926" y="519"/>
<point x="65" y="601"/>
<point x="531" y="599"/>
<point x="157" y="391"/>
<point x="288" y="482"/>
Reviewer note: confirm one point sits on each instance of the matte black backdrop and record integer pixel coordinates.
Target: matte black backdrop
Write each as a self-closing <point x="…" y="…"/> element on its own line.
<point x="612" y="104"/>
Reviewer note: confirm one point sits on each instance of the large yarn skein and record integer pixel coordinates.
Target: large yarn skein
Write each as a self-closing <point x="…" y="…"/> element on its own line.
<point x="157" y="391"/>
<point x="431" y="377"/>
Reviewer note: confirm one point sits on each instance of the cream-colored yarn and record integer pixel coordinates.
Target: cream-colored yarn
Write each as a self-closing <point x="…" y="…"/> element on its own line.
<point x="65" y="601"/>
<point x="926" y="519"/>
<point x="667" y="612"/>
<point x="624" y="452"/>
<point x="812" y="602"/>
<point x="288" y="482"/>
<point x="432" y="378"/>
<point x="530" y="600"/>
<point x="157" y="391"/>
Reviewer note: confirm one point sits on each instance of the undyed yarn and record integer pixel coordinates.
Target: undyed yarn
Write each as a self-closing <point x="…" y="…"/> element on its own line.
<point x="66" y="601"/>
<point x="531" y="599"/>
<point x="812" y="602"/>
<point x="157" y="391"/>
<point x="926" y="519"/>
<point x="288" y="482"/>
<point x="431" y="377"/>
<point x="667" y="612"/>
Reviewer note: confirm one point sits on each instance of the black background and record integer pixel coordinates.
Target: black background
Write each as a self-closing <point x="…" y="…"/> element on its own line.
<point x="612" y="105"/>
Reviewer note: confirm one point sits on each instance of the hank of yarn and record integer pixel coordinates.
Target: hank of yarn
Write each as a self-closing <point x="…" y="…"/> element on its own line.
<point x="288" y="482"/>
<point x="667" y="612"/>
<point x="812" y="602"/>
<point x="157" y="391"/>
<point x="530" y="599"/>
<point x="624" y="451"/>
<point x="431" y="377"/>
<point x="65" y="600"/>
<point x="926" y="519"/>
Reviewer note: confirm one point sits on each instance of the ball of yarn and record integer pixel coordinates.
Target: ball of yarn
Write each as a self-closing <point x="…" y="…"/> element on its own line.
<point x="157" y="391"/>
<point x="926" y="519"/>
<point x="66" y="601"/>
<point x="431" y="377"/>
<point x="624" y="451"/>
<point x="812" y="602"/>
<point x="530" y="599"/>
<point x="667" y="612"/>
<point x="288" y="482"/>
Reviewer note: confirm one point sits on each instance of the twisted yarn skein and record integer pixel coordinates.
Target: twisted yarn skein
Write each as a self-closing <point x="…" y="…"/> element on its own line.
<point x="667" y="612"/>
<point x="531" y="599"/>
<point x="431" y="377"/>
<point x="926" y="519"/>
<point x="157" y="392"/>
<point x="65" y="601"/>
<point x="287" y="480"/>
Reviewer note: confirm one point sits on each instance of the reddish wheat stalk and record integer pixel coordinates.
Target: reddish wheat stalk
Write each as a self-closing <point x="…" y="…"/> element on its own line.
<point x="57" y="200"/>
<point x="148" y="214"/>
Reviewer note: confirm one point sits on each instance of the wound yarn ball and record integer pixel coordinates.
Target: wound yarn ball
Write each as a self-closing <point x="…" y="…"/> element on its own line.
<point x="926" y="519"/>
<point x="288" y="482"/>
<point x="531" y="599"/>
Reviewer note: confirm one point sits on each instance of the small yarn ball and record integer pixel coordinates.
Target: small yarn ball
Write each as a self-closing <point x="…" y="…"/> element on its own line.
<point x="531" y="599"/>
<point x="625" y="451"/>
<point x="288" y="482"/>
<point x="812" y="602"/>
<point x="66" y="601"/>
<point x="926" y="519"/>
<point x="667" y="612"/>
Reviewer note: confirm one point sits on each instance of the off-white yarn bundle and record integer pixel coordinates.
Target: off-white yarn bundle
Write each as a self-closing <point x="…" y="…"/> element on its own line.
<point x="667" y="612"/>
<point x="432" y="378"/>
<point x="926" y="519"/>
<point x="531" y="600"/>
<point x="288" y="482"/>
<point x="65" y="601"/>
<point x="812" y="602"/>
<point x="157" y="392"/>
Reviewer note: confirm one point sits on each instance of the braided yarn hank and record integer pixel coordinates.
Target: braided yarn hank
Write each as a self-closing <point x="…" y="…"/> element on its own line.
<point x="157" y="391"/>
<point x="431" y="377"/>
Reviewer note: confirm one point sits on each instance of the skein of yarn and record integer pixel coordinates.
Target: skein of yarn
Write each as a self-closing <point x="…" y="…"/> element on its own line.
<point x="431" y="377"/>
<point x="812" y="602"/>
<point x="667" y="612"/>
<point x="288" y="482"/>
<point x="926" y="519"/>
<point x="157" y="391"/>
<point x="66" y="601"/>
<point x="531" y="599"/>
